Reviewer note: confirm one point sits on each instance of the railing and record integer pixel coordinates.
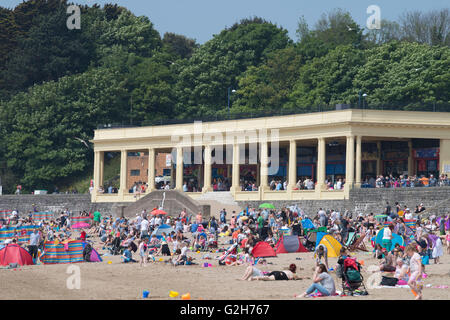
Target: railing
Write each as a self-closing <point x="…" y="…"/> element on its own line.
<point x="222" y="115"/>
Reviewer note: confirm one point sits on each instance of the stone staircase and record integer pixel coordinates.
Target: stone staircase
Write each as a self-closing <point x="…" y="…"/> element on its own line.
<point x="220" y="200"/>
<point x="174" y="202"/>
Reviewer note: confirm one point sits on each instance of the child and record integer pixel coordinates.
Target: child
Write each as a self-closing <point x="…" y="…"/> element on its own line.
<point x="142" y="249"/>
<point x="416" y="270"/>
<point x="127" y="255"/>
<point x="447" y="240"/>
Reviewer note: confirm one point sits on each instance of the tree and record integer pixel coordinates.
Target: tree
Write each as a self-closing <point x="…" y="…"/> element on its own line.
<point x="323" y="80"/>
<point x="151" y="83"/>
<point x="46" y="122"/>
<point x="402" y="74"/>
<point x="179" y="45"/>
<point x="49" y="51"/>
<point x="214" y="67"/>
<point x="432" y="28"/>
<point x="390" y="31"/>
<point x="266" y="88"/>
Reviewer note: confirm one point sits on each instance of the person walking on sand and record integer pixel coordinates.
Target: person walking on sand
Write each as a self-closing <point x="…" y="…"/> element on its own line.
<point x="416" y="270"/>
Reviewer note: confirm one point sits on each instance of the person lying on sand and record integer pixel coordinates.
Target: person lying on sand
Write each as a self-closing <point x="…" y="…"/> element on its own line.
<point x="288" y="274"/>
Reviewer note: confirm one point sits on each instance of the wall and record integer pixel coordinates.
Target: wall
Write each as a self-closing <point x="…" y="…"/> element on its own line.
<point x="437" y="200"/>
<point x="55" y="203"/>
<point x="175" y="201"/>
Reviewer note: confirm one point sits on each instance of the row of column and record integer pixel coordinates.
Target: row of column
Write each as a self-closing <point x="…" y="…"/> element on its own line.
<point x="264" y="162"/>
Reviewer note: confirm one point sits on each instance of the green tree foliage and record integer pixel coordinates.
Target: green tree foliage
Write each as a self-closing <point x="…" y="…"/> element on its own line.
<point x="215" y="66"/>
<point x="266" y="88"/>
<point x="403" y="74"/>
<point x="152" y="83"/>
<point x="58" y="85"/>
<point x="179" y="45"/>
<point x="50" y="119"/>
<point x="49" y="51"/>
<point x="322" y="80"/>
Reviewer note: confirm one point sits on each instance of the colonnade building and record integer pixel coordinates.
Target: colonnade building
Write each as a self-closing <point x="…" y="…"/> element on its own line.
<point x="352" y="147"/>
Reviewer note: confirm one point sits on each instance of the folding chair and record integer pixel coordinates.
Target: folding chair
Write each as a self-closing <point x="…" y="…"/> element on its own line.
<point x="350" y="239"/>
<point x="359" y="244"/>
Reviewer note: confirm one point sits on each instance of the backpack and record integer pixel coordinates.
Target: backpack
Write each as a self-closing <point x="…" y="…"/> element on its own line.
<point x="87" y="252"/>
<point x="388" y="281"/>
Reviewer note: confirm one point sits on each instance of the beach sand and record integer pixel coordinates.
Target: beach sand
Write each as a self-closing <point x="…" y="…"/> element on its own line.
<point x="127" y="281"/>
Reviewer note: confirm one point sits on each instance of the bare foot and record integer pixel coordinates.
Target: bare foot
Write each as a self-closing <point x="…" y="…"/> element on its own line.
<point x="418" y="297"/>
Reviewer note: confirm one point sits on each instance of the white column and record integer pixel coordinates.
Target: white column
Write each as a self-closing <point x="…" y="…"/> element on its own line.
<point x="321" y="164"/>
<point x="123" y="172"/>
<point x="350" y="163"/>
<point x="264" y="170"/>
<point x="207" y="170"/>
<point x="358" y="162"/>
<point x="179" y="178"/>
<point x="102" y="168"/>
<point x="235" y="181"/>
<point x="151" y="170"/>
<point x="96" y="172"/>
<point x="292" y="181"/>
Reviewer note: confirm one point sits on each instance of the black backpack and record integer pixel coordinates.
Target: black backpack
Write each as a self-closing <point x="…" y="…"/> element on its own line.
<point x="87" y="252"/>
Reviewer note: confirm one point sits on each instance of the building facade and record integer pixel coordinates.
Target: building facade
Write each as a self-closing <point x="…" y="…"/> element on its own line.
<point x="246" y="156"/>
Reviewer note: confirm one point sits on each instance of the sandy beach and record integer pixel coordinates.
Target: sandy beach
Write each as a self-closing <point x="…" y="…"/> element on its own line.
<point x="117" y="280"/>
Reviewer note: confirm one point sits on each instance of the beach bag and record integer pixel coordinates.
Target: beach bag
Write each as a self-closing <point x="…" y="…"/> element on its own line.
<point x="353" y="275"/>
<point x="388" y="281"/>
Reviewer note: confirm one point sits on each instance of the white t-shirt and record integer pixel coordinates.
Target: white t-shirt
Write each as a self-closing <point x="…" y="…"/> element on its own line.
<point x="184" y="250"/>
<point x="408" y="216"/>
<point x="387" y="234"/>
<point x="144" y="225"/>
<point x="158" y="221"/>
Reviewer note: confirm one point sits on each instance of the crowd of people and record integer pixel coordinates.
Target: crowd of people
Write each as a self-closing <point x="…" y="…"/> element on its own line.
<point x="156" y="236"/>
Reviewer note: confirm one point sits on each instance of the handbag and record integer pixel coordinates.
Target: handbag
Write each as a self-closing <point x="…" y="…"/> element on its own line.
<point x="388" y="281"/>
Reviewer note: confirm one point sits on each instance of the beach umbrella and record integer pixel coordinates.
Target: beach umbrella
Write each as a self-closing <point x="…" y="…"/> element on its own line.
<point x="81" y="225"/>
<point x="267" y="206"/>
<point x="157" y="212"/>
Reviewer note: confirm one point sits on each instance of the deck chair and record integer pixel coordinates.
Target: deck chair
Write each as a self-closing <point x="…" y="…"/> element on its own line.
<point x="350" y="239"/>
<point x="359" y="244"/>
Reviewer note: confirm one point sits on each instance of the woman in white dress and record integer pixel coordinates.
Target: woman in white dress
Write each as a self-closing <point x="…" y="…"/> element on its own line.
<point x="437" y="250"/>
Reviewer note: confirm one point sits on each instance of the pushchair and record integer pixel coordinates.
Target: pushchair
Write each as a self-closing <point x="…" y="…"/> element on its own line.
<point x="352" y="279"/>
<point x="115" y="248"/>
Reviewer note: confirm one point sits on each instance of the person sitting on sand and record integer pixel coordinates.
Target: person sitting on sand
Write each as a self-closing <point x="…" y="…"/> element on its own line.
<point x="127" y="255"/>
<point x="388" y="265"/>
<point x="288" y="274"/>
<point x="401" y="272"/>
<point x="322" y="282"/>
